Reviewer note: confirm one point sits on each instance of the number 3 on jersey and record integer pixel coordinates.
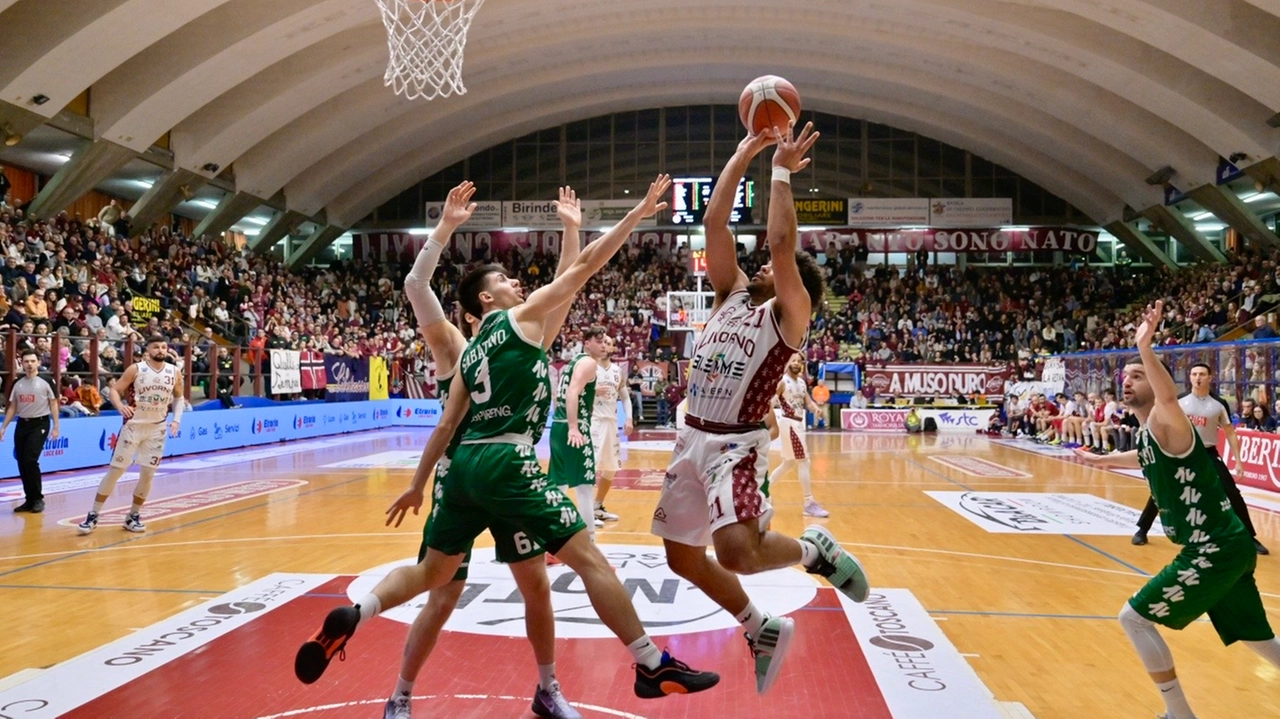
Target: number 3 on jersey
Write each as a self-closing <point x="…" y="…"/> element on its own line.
<point x="484" y="389"/>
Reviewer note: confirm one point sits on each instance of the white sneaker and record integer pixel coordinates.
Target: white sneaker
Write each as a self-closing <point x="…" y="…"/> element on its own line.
<point x="605" y="515"/>
<point x="88" y="525"/>
<point x="133" y="523"/>
<point x="398" y="708"/>
<point x="813" y="509"/>
<point x="599" y="523"/>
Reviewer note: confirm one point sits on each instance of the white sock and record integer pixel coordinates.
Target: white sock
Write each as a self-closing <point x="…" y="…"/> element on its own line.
<point x="806" y="484"/>
<point x="751" y="619"/>
<point x="546" y="675"/>
<point x="97" y="507"/>
<point x="645" y="652"/>
<point x="809" y="554"/>
<point x="1175" y="701"/>
<point x="136" y="507"/>
<point x="584" y="495"/>
<point x="369" y="607"/>
<point x="404" y="688"/>
<point x="1270" y="650"/>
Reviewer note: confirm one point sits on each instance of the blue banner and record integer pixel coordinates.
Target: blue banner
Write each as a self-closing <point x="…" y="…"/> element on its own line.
<point x="90" y="441"/>
<point x="347" y="378"/>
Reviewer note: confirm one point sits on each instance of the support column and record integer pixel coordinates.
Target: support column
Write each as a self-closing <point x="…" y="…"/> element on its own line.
<point x="1229" y="208"/>
<point x="231" y="210"/>
<point x="170" y="190"/>
<point x="283" y="223"/>
<point x="91" y="164"/>
<point x="1182" y="229"/>
<point x="313" y="245"/>
<point x="1139" y="243"/>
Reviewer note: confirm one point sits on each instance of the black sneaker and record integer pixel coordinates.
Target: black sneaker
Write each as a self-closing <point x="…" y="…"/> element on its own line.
<point x="316" y="653"/>
<point x="671" y="677"/>
<point x="1139" y="539"/>
<point x="1256" y="545"/>
<point x="37" y="507"/>
<point x="24" y="507"/>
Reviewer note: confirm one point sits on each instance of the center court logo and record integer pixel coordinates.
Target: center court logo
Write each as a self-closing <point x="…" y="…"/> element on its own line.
<point x="666" y="603"/>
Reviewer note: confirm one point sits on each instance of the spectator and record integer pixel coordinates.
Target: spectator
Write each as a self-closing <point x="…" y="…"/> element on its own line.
<point x="1260" y="420"/>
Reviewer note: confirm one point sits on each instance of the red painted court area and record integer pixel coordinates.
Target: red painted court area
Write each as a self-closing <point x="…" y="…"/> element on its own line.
<point x="249" y="673"/>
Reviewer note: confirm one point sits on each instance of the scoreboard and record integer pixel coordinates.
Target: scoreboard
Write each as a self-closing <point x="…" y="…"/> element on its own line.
<point x="690" y="196"/>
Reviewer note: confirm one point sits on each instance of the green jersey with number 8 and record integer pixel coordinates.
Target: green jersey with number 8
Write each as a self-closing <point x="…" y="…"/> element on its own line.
<point x="510" y="382"/>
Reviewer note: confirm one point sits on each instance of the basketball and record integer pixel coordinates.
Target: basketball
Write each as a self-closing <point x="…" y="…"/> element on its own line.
<point x="767" y="102"/>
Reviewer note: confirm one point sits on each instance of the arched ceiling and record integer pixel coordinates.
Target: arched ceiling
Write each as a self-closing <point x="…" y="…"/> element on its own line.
<point x="1084" y="97"/>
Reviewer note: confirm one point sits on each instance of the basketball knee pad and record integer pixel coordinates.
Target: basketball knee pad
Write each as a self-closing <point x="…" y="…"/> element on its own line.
<point x="108" y="483"/>
<point x="1146" y="639"/>
<point x="143" y="489"/>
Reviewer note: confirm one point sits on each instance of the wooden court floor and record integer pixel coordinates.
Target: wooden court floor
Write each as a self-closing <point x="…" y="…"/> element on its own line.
<point x="1033" y="614"/>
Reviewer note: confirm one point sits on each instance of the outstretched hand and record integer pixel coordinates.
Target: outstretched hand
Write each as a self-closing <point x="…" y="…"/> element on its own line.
<point x="791" y="149"/>
<point x="752" y="144"/>
<point x="411" y="499"/>
<point x="458" y="205"/>
<point x="653" y="203"/>
<point x="1150" y="321"/>
<point x="569" y="207"/>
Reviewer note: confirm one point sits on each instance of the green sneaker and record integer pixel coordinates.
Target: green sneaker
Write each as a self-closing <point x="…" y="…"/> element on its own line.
<point x="841" y="568"/>
<point x="770" y="648"/>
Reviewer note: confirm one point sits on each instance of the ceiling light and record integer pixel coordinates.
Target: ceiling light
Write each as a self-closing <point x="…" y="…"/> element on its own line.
<point x="11" y="137"/>
<point x="1202" y="216"/>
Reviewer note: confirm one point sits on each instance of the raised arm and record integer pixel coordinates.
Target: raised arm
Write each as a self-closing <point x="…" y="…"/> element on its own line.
<point x="722" y="253"/>
<point x="443" y="339"/>
<point x="793" y="306"/>
<point x="533" y="313"/>
<point x="1168" y="423"/>
<point x="569" y="209"/>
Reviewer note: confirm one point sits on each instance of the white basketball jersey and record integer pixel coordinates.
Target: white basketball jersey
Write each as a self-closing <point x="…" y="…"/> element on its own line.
<point x="737" y="364"/>
<point x="607" y="379"/>
<point x="794" y="394"/>
<point x="153" y="393"/>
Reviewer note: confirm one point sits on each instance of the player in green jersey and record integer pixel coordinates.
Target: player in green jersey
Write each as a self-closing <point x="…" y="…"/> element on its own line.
<point x="573" y="463"/>
<point x="446" y="343"/>
<point x="1213" y="573"/>
<point x="496" y="481"/>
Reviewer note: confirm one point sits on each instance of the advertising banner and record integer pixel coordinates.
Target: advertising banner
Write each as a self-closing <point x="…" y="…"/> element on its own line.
<point x="379" y="378"/>
<point x="1260" y="455"/>
<point x="822" y="212"/>
<point x="894" y="420"/>
<point x="888" y="212"/>
<point x="488" y="215"/>
<point x="1041" y="513"/>
<point x="286" y="372"/>
<point x="346" y="378"/>
<point x="988" y="239"/>
<point x="142" y="309"/>
<point x="970" y="211"/>
<point x="937" y="380"/>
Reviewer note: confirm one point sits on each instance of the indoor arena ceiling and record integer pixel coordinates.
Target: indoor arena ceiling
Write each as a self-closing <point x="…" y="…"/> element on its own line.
<point x="1087" y="98"/>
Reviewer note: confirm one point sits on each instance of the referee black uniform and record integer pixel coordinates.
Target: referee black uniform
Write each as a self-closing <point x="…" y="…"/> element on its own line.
<point x="36" y="405"/>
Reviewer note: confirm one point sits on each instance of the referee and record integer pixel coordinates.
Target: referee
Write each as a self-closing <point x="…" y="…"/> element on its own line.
<point x="1208" y="413"/>
<point x="34" y="401"/>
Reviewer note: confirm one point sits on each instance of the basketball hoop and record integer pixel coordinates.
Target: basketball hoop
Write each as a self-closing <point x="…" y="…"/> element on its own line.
<point x="425" y="39"/>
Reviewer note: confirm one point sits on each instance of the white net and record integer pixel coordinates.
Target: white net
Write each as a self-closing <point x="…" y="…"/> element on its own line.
<point x="425" y="39"/>
<point x="689" y="311"/>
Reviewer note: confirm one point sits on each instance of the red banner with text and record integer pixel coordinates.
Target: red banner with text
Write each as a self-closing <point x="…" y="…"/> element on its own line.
<point x="937" y="380"/>
<point x="1260" y="455"/>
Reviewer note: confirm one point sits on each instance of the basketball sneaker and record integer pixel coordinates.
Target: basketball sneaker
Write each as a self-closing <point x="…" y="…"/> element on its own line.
<point x="841" y="568"/>
<point x="770" y="648"/>
<point x="133" y="523"/>
<point x="90" y="522"/>
<point x="605" y="515"/>
<point x="551" y="704"/>
<point x="671" y="677"/>
<point x="398" y="708"/>
<point x="316" y="653"/>
<point x="813" y="509"/>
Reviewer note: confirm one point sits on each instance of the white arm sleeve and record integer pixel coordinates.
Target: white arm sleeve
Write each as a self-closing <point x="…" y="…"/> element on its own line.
<point x="417" y="284"/>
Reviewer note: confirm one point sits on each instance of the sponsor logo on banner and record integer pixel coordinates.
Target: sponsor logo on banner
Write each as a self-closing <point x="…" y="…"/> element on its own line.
<point x="873" y="212"/>
<point x="970" y="211"/>
<point x="180" y="504"/>
<point x="605" y="213"/>
<point x="62" y="688"/>
<point x="919" y="671"/>
<point x="937" y="380"/>
<point x="822" y="212"/>
<point x="1037" y="513"/>
<point x="487" y="216"/>
<point x="1260" y="455"/>
<point x="666" y="603"/>
<point x="108" y="441"/>
<point x="304" y="421"/>
<point x="56" y="447"/>
<point x="873" y="420"/>
<point x="978" y="467"/>
<point x="265" y="426"/>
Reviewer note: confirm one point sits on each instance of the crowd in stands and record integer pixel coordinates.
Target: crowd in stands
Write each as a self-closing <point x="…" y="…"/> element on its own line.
<point x="77" y="278"/>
